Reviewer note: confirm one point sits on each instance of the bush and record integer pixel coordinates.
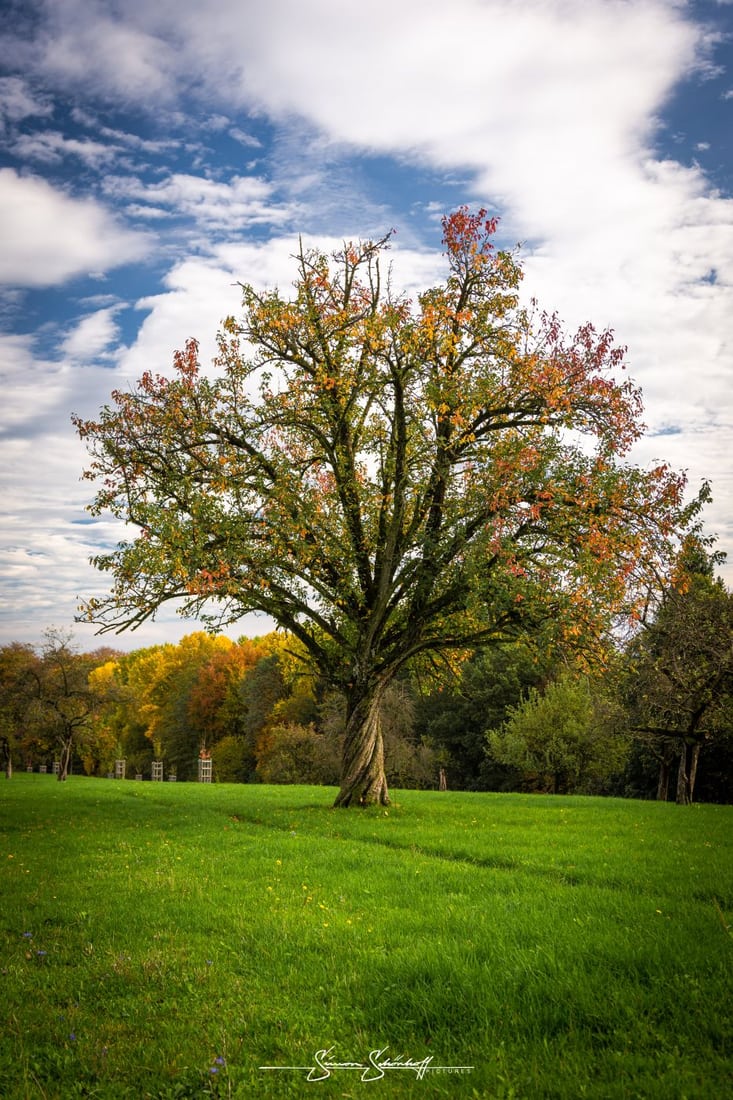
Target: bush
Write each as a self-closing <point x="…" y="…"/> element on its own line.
<point x="230" y="757"/>
<point x="298" y="754"/>
<point x="562" y="740"/>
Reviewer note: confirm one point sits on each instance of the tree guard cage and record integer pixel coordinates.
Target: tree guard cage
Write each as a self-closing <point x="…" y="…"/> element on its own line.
<point x="205" y="767"/>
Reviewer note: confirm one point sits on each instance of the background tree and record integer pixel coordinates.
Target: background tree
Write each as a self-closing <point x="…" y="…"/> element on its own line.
<point x="170" y="701"/>
<point x="16" y="662"/>
<point x="213" y="702"/>
<point x="455" y="714"/>
<point x="562" y="739"/>
<point x="387" y="480"/>
<point x="61" y="702"/>
<point x="231" y="760"/>
<point x="272" y="692"/>
<point x="127" y="715"/>
<point x="187" y="698"/>
<point x="679" y="680"/>
<point x="109" y="743"/>
<point x="297" y="754"/>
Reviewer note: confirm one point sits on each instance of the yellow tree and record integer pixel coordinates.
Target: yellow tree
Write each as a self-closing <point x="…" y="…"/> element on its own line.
<point x="388" y="480"/>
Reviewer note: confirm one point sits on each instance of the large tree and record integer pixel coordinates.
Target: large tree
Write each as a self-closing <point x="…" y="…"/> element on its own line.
<point x="388" y="480"/>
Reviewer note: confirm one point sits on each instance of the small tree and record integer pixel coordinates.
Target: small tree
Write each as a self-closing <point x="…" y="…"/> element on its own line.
<point x="561" y="737"/>
<point x="297" y="754"/>
<point x="230" y="756"/>
<point x="61" y="701"/>
<point x="387" y="480"/>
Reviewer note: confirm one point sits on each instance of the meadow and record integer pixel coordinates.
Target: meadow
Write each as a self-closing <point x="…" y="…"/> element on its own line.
<point x="171" y="940"/>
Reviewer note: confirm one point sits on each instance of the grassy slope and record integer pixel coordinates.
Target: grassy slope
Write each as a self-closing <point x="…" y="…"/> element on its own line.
<point x="563" y="947"/>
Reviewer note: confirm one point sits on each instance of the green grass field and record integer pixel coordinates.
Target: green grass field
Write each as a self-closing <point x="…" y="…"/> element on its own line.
<point x="168" y="940"/>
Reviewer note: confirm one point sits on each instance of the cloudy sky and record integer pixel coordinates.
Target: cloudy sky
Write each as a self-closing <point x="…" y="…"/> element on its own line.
<point x="153" y="154"/>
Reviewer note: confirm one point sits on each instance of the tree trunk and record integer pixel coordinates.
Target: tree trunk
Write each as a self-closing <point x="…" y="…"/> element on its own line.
<point x="663" y="784"/>
<point x="693" y="768"/>
<point x="683" y="797"/>
<point x="7" y="757"/>
<point x="363" y="781"/>
<point x="65" y="758"/>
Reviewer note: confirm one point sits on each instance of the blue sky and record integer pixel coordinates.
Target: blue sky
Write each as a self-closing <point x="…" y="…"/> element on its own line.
<point x="152" y="155"/>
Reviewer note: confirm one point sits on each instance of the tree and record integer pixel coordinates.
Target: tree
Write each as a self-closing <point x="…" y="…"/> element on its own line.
<point x="387" y="480"/>
<point x="680" y="673"/>
<point x="230" y="758"/>
<point x="456" y="714"/>
<point x="62" y="703"/>
<point x="127" y="717"/>
<point x="212" y="705"/>
<point x="182" y="721"/>
<point x="297" y="754"/>
<point x="562" y="737"/>
<point x="16" y="661"/>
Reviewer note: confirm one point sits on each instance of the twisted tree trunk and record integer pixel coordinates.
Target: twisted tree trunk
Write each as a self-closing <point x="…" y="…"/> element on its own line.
<point x="363" y="781"/>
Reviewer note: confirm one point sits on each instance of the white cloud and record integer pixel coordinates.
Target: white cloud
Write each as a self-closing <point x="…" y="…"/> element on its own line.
<point x="238" y="203"/>
<point x="45" y="543"/>
<point x="84" y="45"/>
<point x="31" y="387"/>
<point x="18" y="101"/>
<point x="48" y="237"/>
<point x="51" y="147"/>
<point x="92" y="336"/>
<point x="244" y="138"/>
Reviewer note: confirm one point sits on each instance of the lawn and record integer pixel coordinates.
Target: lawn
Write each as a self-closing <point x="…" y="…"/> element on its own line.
<point x="170" y="940"/>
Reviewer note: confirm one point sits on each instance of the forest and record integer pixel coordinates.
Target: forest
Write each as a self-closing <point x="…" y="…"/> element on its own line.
<point x="651" y="718"/>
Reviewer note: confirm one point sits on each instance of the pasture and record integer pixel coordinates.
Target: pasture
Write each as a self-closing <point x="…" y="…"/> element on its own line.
<point x="171" y="940"/>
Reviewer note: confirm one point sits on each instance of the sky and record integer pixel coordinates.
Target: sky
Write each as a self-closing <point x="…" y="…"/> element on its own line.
<point x="154" y="155"/>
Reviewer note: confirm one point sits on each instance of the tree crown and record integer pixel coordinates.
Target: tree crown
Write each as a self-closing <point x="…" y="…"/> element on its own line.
<point x="386" y="479"/>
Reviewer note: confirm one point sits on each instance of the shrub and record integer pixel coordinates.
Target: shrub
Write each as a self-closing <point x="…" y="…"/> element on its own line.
<point x="298" y="754"/>
<point x="230" y="757"/>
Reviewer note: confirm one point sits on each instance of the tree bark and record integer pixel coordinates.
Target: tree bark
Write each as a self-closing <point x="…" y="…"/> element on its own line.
<point x="693" y="768"/>
<point x="7" y="757"/>
<point x="64" y="762"/>
<point x="683" y="797"/>
<point x="363" y="781"/>
<point x="663" y="784"/>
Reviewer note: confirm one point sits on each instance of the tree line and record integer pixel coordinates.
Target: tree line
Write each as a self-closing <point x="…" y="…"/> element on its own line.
<point x="654" y="718"/>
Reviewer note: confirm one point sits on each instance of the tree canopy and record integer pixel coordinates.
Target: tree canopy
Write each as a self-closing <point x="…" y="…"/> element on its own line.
<point x="389" y="480"/>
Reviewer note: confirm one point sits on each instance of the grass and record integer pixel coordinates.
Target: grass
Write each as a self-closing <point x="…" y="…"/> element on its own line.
<point x="168" y="940"/>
